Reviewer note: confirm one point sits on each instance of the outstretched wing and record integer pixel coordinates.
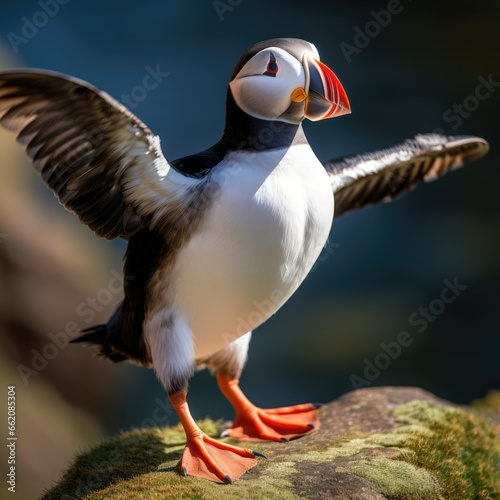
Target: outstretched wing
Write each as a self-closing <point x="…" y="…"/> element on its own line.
<point x="98" y="158"/>
<point x="368" y="178"/>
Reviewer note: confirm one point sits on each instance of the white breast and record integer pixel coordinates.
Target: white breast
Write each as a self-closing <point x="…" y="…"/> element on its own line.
<point x="257" y="243"/>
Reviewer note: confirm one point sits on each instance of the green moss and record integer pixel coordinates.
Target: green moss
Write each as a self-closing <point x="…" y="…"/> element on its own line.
<point x="393" y="477"/>
<point x="141" y="464"/>
<point x="357" y="406"/>
<point x="329" y="453"/>
<point x="435" y="452"/>
<point x="439" y="445"/>
<point x="461" y="450"/>
<point x="491" y="403"/>
<point x="159" y="486"/>
<point x="390" y="476"/>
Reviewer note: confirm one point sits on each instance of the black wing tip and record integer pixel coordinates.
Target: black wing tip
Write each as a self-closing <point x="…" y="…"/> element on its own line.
<point x="479" y="146"/>
<point x="12" y="73"/>
<point x="473" y="147"/>
<point x="9" y="75"/>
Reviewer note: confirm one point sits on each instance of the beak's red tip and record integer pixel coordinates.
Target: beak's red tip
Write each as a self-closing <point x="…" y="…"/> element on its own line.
<point x="335" y="93"/>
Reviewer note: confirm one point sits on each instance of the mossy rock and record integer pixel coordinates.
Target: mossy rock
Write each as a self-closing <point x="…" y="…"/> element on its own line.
<point x="375" y="443"/>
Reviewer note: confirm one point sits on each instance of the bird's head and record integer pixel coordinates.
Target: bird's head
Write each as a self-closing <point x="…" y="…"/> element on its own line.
<point x="283" y="79"/>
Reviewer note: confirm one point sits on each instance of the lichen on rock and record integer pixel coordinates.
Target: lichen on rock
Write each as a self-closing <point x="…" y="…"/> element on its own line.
<point x="373" y="443"/>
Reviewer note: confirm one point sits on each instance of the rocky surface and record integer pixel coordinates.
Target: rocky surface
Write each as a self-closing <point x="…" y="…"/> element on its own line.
<point x="377" y="443"/>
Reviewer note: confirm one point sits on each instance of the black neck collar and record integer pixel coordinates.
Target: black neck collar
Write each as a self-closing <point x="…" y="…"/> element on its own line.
<point x="243" y="132"/>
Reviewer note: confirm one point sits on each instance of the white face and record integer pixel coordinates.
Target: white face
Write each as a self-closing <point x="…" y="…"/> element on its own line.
<point x="263" y="87"/>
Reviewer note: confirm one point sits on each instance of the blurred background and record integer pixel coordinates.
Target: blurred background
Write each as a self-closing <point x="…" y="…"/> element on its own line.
<point x="418" y="73"/>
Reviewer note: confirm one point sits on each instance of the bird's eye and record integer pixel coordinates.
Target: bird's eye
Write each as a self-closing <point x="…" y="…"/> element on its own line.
<point x="272" y="66"/>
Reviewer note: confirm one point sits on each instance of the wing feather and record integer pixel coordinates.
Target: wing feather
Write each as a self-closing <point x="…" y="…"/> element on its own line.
<point x="382" y="175"/>
<point x="99" y="159"/>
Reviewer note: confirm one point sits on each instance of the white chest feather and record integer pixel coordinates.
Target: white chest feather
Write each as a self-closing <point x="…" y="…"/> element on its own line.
<point x="258" y="241"/>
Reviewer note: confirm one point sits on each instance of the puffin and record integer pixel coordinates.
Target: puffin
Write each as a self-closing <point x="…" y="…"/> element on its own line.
<point x="219" y="240"/>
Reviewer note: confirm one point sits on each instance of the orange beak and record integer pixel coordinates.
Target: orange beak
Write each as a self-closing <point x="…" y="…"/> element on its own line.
<point x="326" y="98"/>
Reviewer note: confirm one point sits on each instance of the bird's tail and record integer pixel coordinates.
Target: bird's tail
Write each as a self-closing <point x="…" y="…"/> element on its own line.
<point x="101" y="336"/>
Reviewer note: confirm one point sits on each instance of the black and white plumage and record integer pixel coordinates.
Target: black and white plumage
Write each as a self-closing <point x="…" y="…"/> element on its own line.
<point x="382" y="175"/>
<point x="213" y="234"/>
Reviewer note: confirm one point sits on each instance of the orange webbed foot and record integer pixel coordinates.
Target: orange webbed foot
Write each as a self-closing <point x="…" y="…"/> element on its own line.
<point x="273" y="424"/>
<point x="206" y="457"/>
<point x="211" y="459"/>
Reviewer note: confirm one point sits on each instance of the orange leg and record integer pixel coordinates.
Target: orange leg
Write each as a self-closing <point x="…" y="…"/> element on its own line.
<point x="276" y="424"/>
<point x="206" y="457"/>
